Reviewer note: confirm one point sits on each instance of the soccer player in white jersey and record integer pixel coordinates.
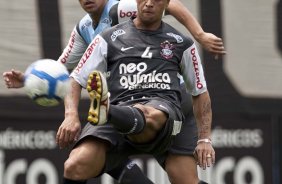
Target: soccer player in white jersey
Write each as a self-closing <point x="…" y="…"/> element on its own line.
<point x="82" y="39"/>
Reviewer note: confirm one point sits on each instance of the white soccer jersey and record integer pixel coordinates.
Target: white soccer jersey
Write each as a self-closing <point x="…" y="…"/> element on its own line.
<point x="83" y="33"/>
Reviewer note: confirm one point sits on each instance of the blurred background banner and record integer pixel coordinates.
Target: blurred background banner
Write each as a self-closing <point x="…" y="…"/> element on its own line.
<point x="244" y="149"/>
<point x="245" y="88"/>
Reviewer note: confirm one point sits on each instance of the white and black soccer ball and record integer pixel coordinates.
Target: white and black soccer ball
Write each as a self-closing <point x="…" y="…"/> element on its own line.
<point x="46" y="82"/>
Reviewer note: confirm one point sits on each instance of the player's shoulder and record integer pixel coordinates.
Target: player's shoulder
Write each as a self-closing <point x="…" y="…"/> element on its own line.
<point x="116" y="30"/>
<point x="177" y="35"/>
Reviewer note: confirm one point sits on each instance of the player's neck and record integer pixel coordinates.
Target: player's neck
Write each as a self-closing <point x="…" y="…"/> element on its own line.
<point x="147" y="26"/>
<point x="96" y="15"/>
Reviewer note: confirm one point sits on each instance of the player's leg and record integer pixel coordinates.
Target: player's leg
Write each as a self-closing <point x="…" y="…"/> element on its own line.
<point x="182" y="169"/>
<point x="85" y="161"/>
<point x="98" y="114"/>
<point x="180" y="163"/>
<point x="117" y="163"/>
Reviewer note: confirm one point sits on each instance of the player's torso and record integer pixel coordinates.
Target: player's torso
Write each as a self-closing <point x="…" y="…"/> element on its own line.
<point x="144" y="63"/>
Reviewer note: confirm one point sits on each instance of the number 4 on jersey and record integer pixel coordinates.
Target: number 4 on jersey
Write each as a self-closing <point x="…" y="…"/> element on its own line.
<point x="147" y="53"/>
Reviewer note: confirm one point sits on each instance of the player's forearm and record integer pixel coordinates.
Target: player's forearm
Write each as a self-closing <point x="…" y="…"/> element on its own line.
<point x="71" y="100"/>
<point x="203" y="115"/>
<point x="185" y="17"/>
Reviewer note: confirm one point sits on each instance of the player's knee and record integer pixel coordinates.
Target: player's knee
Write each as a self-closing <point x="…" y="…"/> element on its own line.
<point x="73" y="171"/>
<point x="155" y="119"/>
<point x="82" y="163"/>
<point x="78" y="169"/>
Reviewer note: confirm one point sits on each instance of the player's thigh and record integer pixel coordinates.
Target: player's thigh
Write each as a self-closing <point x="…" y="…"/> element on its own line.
<point x="87" y="159"/>
<point x="181" y="169"/>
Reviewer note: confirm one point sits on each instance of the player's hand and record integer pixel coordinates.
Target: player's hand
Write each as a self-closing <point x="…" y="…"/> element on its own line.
<point x="14" y="79"/>
<point x="212" y="44"/>
<point x="204" y="155"/>
<point x="68" y="132"/>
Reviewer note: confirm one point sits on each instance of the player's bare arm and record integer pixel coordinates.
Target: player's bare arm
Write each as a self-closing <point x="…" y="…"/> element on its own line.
<point x="70" y="128"/>
<point x="203" y="114"/>
<point x="209" y="41"/>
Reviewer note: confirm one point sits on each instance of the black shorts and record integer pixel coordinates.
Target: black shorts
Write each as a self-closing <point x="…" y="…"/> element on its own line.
<point x="121" y="148"/>
<point x="166" y="135"/>
<point x="186" y="141"/>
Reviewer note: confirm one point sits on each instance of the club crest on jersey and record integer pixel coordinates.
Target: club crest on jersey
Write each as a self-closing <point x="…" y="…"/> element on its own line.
<point x="166" y="50"/>
<point x="117" y="33"/>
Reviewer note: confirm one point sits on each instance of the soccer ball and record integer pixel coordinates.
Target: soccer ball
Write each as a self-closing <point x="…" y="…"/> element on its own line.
<point x="46" y="82"/>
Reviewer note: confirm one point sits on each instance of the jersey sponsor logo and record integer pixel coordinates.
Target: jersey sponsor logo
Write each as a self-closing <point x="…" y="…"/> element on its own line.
<point x="117" y="33"/>
<point x="126" y="48"/>
<point x="133" y="77"/>
<point x="87" y="54"/>
<point x="178" y="38"/>
<point x="126" y="14"/>
<point x="196" y="68"/>
<point x="166" y="50"/>
<point x="69" y="48"/>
